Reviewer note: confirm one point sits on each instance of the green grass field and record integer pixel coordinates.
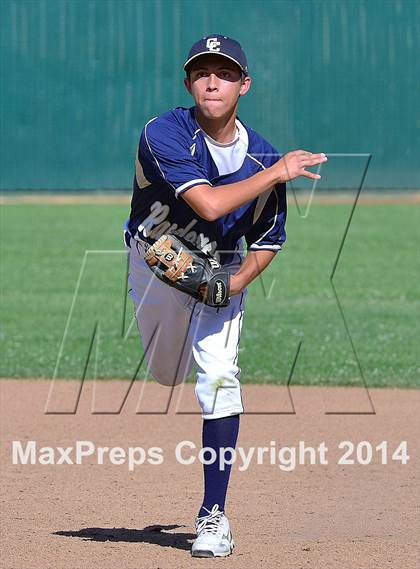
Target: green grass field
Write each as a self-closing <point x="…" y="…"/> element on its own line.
<point x="43" y="246"/>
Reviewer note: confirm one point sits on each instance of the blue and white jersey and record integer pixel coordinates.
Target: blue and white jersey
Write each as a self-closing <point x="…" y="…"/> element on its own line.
<point x="173" y="156"/>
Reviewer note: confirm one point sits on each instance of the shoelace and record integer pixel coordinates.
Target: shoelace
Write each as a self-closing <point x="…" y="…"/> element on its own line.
<point x="210" y="523"/>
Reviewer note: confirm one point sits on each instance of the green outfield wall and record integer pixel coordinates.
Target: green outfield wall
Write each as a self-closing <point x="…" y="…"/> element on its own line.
<point x="80" y="77"/>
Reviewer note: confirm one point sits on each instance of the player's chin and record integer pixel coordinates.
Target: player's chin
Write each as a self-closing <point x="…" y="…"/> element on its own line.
<point x="214" y="109"/>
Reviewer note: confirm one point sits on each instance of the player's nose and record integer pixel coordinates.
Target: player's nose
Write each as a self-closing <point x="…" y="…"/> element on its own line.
<point x="212" y="82"/>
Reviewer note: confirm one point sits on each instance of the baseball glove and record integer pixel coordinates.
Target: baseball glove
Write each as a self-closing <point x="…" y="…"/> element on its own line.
<point x="191" y="272"/>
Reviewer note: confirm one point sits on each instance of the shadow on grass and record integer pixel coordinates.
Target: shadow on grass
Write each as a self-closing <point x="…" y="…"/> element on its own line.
<point x="156" y="534"/>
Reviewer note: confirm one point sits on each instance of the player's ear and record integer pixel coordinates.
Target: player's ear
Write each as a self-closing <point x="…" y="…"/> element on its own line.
<point x="187" y="84"/>
<point x="246" y="84"/>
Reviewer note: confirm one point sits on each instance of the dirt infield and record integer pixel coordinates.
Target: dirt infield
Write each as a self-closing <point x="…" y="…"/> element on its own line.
<point x="313" y="516"/>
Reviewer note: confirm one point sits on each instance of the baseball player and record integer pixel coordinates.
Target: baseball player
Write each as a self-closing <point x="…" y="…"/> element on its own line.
<point x="208" y="215"/>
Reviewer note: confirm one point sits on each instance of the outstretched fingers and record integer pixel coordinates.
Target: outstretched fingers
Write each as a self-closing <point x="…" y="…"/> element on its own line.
<point x="312" y="160"/>
<point x="295" y="163"/>
<point x="310" y="175"/>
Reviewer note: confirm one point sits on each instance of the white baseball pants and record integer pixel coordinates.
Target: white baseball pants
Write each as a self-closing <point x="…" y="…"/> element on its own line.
<point x="177" y="331"/>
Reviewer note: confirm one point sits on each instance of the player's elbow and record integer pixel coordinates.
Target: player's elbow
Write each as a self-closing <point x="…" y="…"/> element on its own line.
<point x="209" y="214"/>
<point x="203" y="201"/>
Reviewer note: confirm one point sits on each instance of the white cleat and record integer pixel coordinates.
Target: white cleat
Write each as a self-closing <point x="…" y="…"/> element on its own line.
<point x="214" y="538"/>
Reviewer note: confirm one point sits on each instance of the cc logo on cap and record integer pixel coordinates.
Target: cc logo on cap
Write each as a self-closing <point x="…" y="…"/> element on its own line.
<point x="212" y="44"/>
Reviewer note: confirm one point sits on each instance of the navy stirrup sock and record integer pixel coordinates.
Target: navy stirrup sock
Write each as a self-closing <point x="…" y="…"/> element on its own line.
<point x="217" y="433"/>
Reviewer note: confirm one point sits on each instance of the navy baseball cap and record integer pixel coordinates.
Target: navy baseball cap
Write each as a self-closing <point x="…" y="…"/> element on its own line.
<point x="218" y="45"/>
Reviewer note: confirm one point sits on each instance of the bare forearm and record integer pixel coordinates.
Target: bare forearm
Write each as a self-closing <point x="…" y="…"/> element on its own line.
<point x="255" y="262"/>
<point x="221" y="200"/>
<point x="210" y="203"/>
